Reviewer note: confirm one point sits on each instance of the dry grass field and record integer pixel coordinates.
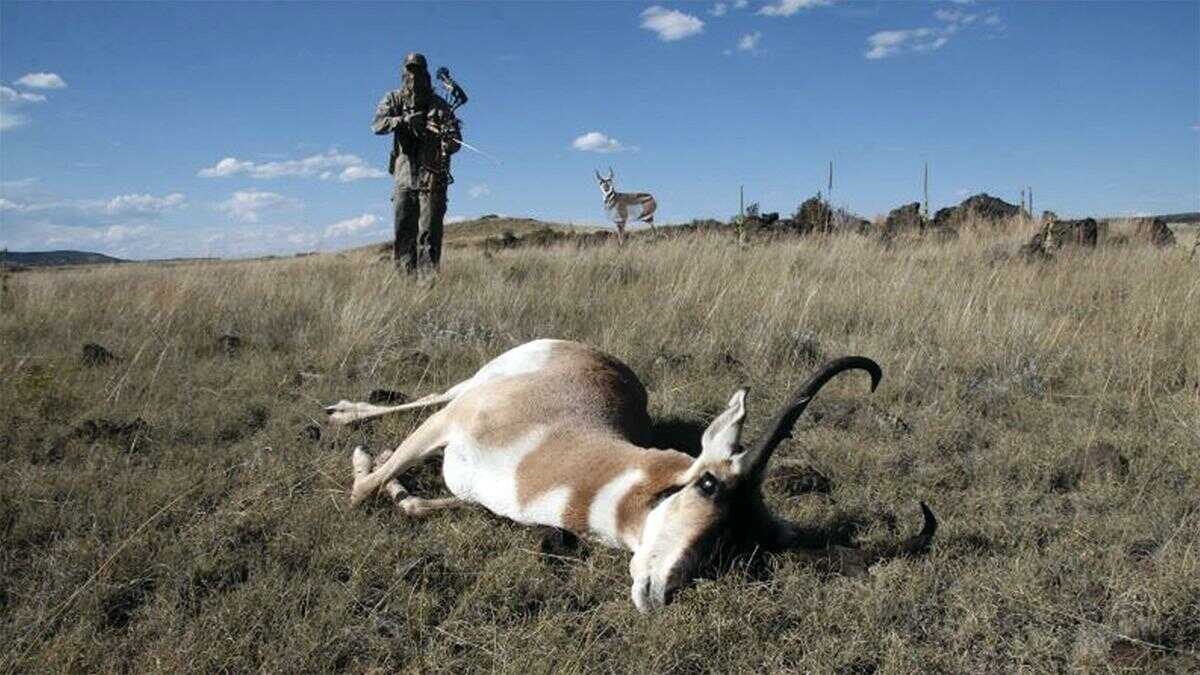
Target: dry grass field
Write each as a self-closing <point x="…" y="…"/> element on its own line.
<point x="183" y="509"/>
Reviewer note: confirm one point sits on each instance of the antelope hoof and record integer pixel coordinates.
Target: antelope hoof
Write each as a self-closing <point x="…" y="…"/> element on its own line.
<point x="413" y="507"/>
<point x="343" y="412"/>
<point x="395" y="490"/>
<point x="361" y="463"/>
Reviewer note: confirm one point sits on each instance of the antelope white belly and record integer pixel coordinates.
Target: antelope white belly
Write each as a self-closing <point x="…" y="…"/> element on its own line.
<point x="488" y="477"/>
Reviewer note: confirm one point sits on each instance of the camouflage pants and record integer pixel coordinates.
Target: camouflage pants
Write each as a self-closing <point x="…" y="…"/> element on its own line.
<point x="418" y="229"/>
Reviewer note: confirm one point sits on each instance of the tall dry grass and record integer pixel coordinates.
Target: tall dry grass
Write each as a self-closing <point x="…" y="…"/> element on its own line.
<point x="1049" y="412"/>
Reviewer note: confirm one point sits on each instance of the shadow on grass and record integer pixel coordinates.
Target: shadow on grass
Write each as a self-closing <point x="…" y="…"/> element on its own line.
<point x="676" y="433"/>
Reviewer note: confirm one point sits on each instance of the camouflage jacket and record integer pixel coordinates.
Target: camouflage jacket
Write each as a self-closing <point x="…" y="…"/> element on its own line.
<point x="419" y="160"/>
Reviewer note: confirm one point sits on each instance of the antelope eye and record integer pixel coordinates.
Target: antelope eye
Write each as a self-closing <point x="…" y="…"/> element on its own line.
<point x="708" y="485"/>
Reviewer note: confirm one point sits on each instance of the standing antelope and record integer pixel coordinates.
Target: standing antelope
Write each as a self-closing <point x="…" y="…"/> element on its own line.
<point x="547" y="434"/>
<point x="621" y="205"/>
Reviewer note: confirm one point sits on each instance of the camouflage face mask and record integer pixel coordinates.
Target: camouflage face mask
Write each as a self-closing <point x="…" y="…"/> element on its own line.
<point x="417" y="89"/>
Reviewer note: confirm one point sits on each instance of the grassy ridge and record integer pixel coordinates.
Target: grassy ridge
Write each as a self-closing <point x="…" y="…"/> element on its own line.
<point x="1050" y="413"/>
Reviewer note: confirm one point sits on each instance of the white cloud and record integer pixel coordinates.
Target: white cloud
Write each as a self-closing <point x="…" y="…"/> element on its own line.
<point x="11" y="120"/>
<point x="790" y="7"/>
<point x="351" y="226"/>
<point x="480" y="190"/>
<point x="740" y="4"/>
<point x="595" y="141"/>
<point x="358" y="172"/>
<point x="245" y="242"/>
<point x="749" y="41"/>
<point x="450" y="220"/>
<point x="42" y="81"/>
<point x="138" y="239"/>
<point x="955" y="16"/>
<point x="10" y="95"/>
<point x="226" y="167"/>
<point x="719" y="9"/>
<point x="246" y="205"/>
<point x="11" y="98"/>
<point x="671" y="24"/>
<point x="887" y="43"/>
<point x="56" y="235"/>
<point x="118" y="233"/>
<point x="884" y="44"/>
<point x="18" y="185"/>
<point x="144" y="204"/>
<point x="135" y="206"/>
<point x="344" y="166"/>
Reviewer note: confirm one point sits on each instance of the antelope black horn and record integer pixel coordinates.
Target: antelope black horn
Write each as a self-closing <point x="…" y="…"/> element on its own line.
<point x="781" y="427"/>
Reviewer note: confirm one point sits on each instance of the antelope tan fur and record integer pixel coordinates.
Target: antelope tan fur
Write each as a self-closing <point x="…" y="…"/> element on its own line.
<point x="548" y="434"/>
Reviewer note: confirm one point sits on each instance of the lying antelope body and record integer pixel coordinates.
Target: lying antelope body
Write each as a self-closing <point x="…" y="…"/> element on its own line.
<point x="623" y="205"/>
<point x="547" y="434"/>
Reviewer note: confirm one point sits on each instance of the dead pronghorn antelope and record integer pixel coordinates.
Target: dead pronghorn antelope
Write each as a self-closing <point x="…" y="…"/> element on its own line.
<point x="623" y="205"/>
<point x="546" y="434"/>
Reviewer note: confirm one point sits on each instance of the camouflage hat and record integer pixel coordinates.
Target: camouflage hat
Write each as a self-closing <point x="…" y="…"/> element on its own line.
<point x="415" y="59"/>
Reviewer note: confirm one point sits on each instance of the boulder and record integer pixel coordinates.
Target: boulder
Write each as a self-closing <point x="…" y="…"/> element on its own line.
<point x="1075" y="232"/>
<point x="1057" y="234"/>
<point x="813" y="215"/>
<point x="907" y="217"/>
<point x="945" y="217"/>
<point x="978" y="207"/>
<point x="1153" y="230"/>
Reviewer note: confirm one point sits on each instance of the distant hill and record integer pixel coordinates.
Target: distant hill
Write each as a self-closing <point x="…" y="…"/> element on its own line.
<point x="1193" y="217"/>
<point x="56" y="258"/>
<point x="476" y="231"/>
<point x="479" y="231"/>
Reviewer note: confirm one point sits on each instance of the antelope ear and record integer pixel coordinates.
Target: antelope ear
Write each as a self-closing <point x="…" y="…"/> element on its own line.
<point x="721" y="438"/>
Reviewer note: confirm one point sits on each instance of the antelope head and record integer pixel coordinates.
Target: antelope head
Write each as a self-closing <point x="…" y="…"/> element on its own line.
<point x="606" y="184"/>
<point x="717" y="502"/>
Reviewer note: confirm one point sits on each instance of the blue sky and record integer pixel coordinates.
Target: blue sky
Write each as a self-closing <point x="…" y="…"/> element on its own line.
<point x="115" y="118"/>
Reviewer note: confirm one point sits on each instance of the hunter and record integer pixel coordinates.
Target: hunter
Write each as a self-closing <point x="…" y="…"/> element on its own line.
<point x="425" y="132"/>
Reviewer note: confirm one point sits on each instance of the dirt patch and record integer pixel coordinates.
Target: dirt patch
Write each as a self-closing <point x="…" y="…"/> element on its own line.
<point x="96" y="355"/>
<point x="386" y="397"/>
<point x="1100" y="460"/>
<point x="123" y="434"/>
<point x="847" y="414"/>
<point x="230" y="345"/>
<point x="800" y="480"/>
<point x="119" y="605"/>
<point x="250" y="420"/>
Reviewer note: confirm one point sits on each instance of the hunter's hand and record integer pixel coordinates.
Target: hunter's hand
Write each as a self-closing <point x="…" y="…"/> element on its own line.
<point x="415" y="120"/>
